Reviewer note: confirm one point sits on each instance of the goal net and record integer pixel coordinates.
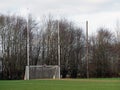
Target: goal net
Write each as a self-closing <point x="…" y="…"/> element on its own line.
<point x="42" y="72"/>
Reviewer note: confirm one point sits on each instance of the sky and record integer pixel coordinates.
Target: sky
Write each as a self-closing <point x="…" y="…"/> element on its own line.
<point x="99" y="13"/>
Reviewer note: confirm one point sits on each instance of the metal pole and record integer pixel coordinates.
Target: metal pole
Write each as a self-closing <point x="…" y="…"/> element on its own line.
<point x="87" y="57"/>
<point x="28" y="48"/>
<point x="59" y="49"/>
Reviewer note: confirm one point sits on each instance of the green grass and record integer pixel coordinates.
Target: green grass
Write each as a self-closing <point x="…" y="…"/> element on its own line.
<point x="72" y="84"/>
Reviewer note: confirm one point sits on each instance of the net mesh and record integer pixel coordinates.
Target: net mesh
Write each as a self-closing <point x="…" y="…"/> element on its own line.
<point x="43" y="72"/>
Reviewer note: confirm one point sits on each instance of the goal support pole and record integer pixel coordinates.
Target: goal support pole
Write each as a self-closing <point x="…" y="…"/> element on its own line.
<point x="87" y="56"/>
<point x="27" y="48"/>
<point x="59" y="49"/>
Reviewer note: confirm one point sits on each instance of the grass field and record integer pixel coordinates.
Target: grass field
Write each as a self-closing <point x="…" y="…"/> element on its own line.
<point x="72" y="84"/>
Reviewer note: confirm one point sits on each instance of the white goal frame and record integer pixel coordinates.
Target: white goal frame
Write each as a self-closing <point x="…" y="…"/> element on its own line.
<point x="27" y="69"/>
<point x="42" y="72"/>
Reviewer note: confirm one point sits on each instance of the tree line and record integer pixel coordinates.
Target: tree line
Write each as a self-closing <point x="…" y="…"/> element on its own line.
<point x="104" y="48"/>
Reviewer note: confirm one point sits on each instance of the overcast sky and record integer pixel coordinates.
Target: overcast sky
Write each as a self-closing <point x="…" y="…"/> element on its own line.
<point x="99" y="13"/>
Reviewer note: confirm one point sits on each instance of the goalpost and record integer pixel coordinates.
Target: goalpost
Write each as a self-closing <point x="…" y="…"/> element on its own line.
<point x="42" y="71"/>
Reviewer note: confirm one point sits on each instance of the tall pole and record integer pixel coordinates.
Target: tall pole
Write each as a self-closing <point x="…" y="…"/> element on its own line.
<point x="87" y="57"/>
<point x="59" y="49"/>
<point x="28" y="48"/>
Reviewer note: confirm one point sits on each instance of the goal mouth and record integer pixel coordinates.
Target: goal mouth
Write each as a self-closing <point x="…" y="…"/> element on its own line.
<point x="42" y="72"/>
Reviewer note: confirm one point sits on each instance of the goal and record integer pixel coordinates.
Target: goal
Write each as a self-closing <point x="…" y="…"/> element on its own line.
<point x="42" y="72"/>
